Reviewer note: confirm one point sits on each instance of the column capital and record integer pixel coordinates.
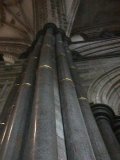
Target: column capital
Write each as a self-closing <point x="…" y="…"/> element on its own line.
<point x="50" y="25"/>
<point x="68" y="39"/>
<point x="39" y="33"/>
<point x="62" y="32"/>
<point x="64" y="36"/>
<point x="102" y="111"/>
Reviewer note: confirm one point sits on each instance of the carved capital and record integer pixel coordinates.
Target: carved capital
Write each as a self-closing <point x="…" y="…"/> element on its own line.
<point x="9" y="59"/>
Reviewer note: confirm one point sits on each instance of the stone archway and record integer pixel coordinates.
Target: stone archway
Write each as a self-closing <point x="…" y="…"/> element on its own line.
<point x="106" y="89"/>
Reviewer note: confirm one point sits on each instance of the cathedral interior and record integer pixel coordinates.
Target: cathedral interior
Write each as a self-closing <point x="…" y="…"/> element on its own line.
<point x="59" y="79"/>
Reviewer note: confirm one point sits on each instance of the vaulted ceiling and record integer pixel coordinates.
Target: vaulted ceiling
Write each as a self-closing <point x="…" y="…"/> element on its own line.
<point x="97" y="16"/>
<point x="21" y="19"/>
<point x="16" y="27"/>
<point x="16" y="20"/>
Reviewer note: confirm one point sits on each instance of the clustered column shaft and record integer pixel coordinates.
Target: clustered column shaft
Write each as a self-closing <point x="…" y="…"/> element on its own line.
<point x="42" y="143"/>
<point x="77" y="140"/>
<point x="96" y="140"/>
<point x="10" y="147"/>
<point x="30" y="131"/>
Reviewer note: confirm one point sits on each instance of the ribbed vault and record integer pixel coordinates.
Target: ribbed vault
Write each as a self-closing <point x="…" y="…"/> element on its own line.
<point x="106" y="89"/>
<point x="16" y="28"/>
<point x="96" y="17"/>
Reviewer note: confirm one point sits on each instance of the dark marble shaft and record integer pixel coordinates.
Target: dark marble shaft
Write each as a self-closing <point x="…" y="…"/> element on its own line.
<point x="14" y="131"/>
<point x="76" y="137"/>
<point x="9" y="106"/>
<point x="104" y="116"/>
<point x="2" y="94"/>
<point x="97" y="142"/>
<point x="117" y="127"/>
<point x="42" y="140"/>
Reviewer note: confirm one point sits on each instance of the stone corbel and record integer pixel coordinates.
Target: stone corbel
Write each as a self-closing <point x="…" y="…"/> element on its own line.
<point x="9" y="59"/>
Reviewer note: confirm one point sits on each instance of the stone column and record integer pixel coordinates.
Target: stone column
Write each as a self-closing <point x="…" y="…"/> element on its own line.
<point x="9" y="106"/>
<point x="117" y="127"/>
<point x="97" y="142"/>
<point x="41" y="142"/>
<point x="13" y="138"/>
<point x="77" y="141"/>
<point x="104" y="116"/>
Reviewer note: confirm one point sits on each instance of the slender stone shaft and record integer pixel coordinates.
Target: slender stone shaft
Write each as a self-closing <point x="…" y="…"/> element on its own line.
<point x="97" y="142"/>
<point x="2" y="93"/>
<point x="14" y="131"/>
<point x="42" y="140"/>
<point x="9" y="106"/>
<point x="104" y="116"/>
<point x="76" y="137"/>
<point x="3" y="89"/>
<point x="117" y="127"/>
